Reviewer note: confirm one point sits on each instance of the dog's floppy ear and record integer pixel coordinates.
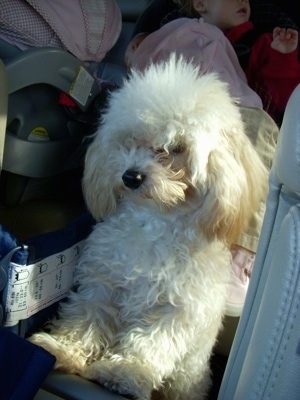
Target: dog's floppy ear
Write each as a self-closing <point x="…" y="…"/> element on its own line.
<point x="237" y="184"/>
<point x="98" y="189"/>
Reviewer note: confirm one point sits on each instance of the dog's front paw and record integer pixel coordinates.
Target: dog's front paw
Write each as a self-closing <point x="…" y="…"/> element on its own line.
<point x="123" y="378"/>
<point x="68" y="356"/>
<point x="46" y="341"/>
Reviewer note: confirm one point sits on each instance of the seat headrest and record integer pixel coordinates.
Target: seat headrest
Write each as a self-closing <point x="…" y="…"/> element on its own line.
<point x="286" y="165"/>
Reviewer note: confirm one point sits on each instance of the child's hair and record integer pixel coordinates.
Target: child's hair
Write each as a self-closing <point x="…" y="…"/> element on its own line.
<point x="187" y="8"/>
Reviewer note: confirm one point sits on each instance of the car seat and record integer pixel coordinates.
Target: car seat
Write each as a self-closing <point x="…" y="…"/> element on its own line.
<point x="53" y="106"/>
<point x="264" y="362"/>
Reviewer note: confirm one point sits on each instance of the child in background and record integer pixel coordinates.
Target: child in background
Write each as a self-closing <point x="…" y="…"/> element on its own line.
<point x="203" y="44"/>
<point x="270" y="61"/>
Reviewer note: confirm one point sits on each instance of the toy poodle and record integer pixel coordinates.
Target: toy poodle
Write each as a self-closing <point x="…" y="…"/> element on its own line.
<point x="172" y="179"/>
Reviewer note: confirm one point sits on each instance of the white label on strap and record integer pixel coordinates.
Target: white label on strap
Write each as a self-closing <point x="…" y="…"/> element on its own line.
<point x="81" y="86"/>
<point x="34" y="287"/>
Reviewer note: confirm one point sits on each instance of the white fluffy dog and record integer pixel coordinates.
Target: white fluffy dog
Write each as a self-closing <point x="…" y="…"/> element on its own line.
<point x="172" y="179"/>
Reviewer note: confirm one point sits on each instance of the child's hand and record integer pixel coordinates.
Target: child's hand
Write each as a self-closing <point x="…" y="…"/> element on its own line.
<point x="133" y="45"/>
<point x="284" y="40"/>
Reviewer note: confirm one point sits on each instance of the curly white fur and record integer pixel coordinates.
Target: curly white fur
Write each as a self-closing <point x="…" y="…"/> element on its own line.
<point x="174" y="178"/>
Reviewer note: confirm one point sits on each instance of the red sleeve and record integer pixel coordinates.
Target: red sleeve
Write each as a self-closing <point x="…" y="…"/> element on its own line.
<point x="272" y="75"/>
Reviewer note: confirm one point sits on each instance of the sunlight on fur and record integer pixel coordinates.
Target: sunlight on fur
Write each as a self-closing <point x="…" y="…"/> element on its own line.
<point x="173" y="180"/>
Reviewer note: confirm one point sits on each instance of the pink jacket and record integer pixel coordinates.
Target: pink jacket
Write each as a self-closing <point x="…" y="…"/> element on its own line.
<point x="86" y="28"/>
<point x="204" y="45"/>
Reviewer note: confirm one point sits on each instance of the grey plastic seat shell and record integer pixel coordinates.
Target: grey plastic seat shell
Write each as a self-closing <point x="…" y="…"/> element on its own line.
<point x="58" y="69"/>
<point x="264" y="361"/>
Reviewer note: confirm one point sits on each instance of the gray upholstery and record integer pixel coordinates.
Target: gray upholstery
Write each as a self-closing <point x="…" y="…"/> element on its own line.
<point x="264" y="362"/>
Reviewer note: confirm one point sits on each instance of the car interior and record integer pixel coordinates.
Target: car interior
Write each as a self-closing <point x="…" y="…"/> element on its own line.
<point x="257" y="355"/>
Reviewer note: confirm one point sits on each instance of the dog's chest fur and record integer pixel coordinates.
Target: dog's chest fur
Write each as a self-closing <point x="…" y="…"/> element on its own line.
<point x="153" y="263"/>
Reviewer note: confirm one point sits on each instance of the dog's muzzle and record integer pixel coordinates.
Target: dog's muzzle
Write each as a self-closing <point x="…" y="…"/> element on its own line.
<point x="133" y="179"/>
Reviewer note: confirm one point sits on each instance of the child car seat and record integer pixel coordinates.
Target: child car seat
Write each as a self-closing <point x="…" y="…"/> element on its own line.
<point x="53" y="106"/>
<point x="41" y="128"/>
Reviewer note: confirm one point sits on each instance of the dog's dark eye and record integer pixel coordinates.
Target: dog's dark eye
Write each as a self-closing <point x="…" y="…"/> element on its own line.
<point x="172" y="150"/>
<point x="178" y="149"/>
<point x="160" y="151"/>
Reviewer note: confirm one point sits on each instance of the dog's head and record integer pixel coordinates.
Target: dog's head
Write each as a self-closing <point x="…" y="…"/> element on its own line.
<point x="173" y="139"/>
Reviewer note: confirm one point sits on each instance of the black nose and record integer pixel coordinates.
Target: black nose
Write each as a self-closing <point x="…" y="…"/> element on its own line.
<point x="133" y="179"/>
